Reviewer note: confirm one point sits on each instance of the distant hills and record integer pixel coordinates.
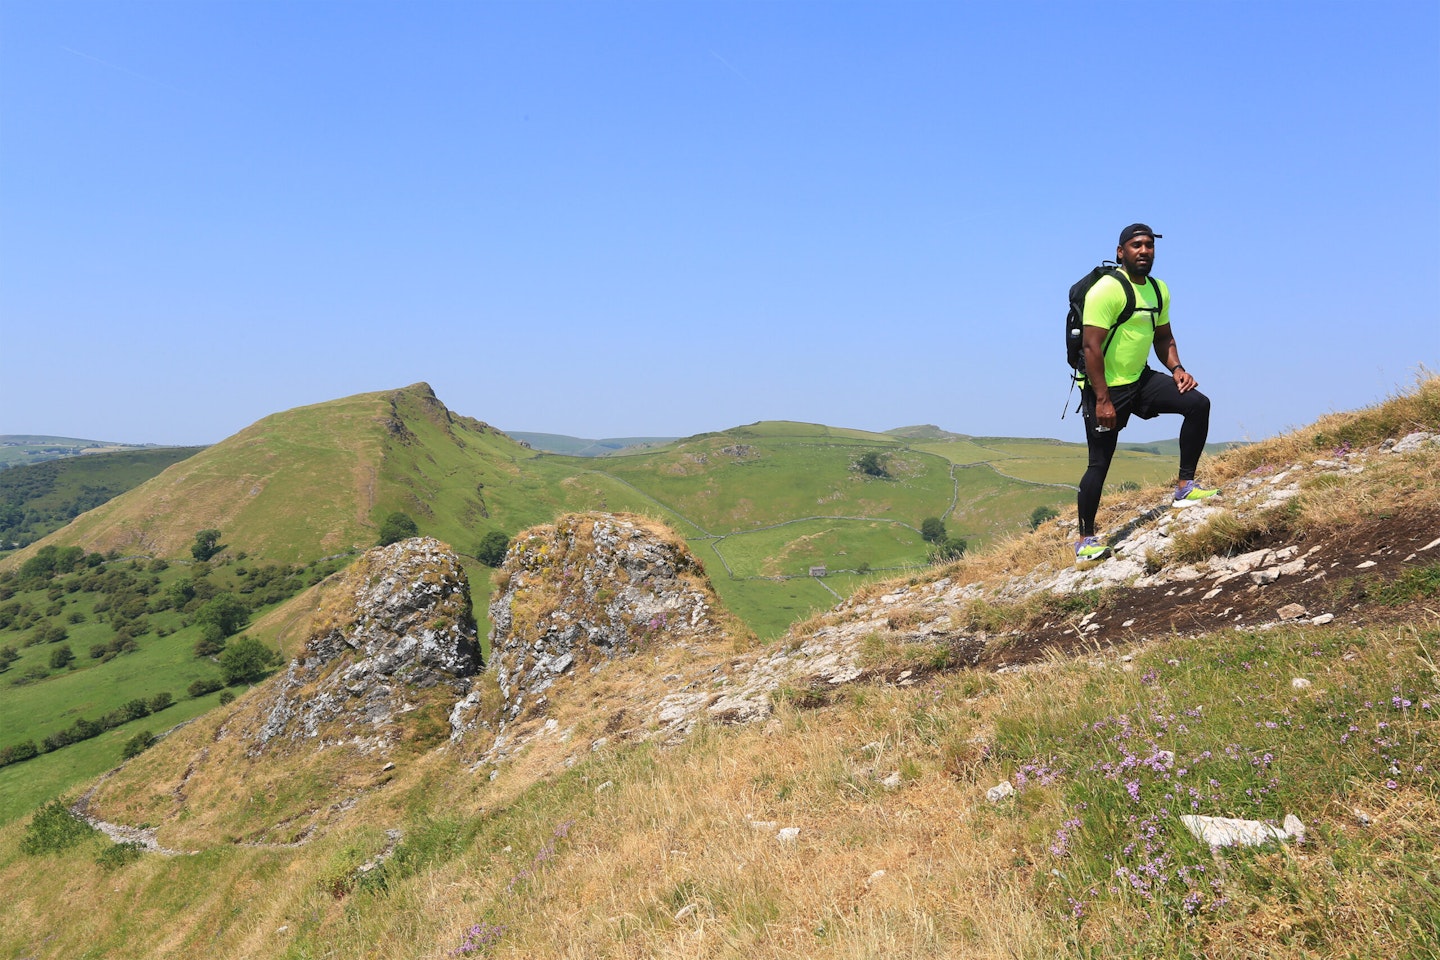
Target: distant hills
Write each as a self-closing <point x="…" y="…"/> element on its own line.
<point x="580" y="447"/>
<point x="39" y="498"/>
<point x="884" y="778"/>
<point x="18" y="449"/>
<point x="764" y="505"/>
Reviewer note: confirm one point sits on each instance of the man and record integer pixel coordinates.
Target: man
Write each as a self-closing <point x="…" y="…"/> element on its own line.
<point x="1119" y="382"/>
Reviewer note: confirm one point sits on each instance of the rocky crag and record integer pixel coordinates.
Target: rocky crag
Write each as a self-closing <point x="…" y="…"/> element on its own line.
<point x="391" y="647"/>
<point x="575" y="597"/>
<point x="402" y="624"/>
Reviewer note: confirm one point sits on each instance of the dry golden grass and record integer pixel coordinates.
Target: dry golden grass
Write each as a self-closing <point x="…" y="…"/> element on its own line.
<point x="638" y="851"/>
<point x="671" y="863"/>
<point x="1407" y="411"/>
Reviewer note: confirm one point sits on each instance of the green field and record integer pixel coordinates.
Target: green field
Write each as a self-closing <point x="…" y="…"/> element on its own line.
<point x="21" y="449"/>
<point x="161" y="665"/>
<point x="24" y="786"/>
<point x="90" y="611"/>
<point x="791" y="549"/>
<point x="769" y="607"/>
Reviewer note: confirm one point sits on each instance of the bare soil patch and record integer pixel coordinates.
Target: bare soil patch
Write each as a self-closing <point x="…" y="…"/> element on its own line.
<point x="1347" y="565"/>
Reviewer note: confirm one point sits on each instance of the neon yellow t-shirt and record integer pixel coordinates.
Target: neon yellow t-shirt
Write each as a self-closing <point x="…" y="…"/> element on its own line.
<point x="1130" y="348"/>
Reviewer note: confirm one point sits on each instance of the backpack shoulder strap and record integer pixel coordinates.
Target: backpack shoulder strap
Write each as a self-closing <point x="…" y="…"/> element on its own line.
<point x="1126" y="313"/>
<point x="1129" y="289"/>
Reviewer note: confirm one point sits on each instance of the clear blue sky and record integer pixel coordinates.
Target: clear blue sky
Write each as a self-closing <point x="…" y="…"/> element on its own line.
<point x="618" y="219"/>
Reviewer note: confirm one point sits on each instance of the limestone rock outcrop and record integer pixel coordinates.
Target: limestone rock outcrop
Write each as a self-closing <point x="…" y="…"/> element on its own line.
<point x="589" y="588"/>
<point x="397" y="631"/>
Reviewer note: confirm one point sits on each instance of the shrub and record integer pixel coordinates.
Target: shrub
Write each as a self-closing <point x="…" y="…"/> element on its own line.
<point x="872" y="464"/>
<point x="491" y="549"/>
<point x="953" y="548"/>
<point x="932" y="530"/>
<point x="17" y="752"/>
<point x="210" y="642"/>
<point x="54" y="828"/>
<point x="396" y="527"/>
<point x="207" y="544"/>
<point x="161" y="701"/>
<point x="137" y="744"/>
<point x="203" y="686"/>
<point x="227" y="697"/>
<point x="118" y="855"/>
<point x="1041" y="514"/>
<point x="221" y="616"/>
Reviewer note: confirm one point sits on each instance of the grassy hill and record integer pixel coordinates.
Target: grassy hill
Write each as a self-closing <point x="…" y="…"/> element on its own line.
<point x="37" y="499"/>
<point x="855" y="821"/>
<point x="317" y="480"/>
<point x="761" y="505"/>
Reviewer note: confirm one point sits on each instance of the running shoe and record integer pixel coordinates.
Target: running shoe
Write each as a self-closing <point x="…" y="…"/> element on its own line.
<point x="1090" y="548"/>
<point x="1189" y="493"/>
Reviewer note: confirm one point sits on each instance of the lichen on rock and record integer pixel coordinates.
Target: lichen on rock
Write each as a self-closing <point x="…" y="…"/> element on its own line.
<point x="398" y="634"/>
<point x="588" y="588"/>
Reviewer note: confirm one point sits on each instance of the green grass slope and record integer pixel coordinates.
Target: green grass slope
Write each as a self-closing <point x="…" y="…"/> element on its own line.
<point x="39" y="498"/>
<point x="130" y="629"/>
<point x="291" y="487"/>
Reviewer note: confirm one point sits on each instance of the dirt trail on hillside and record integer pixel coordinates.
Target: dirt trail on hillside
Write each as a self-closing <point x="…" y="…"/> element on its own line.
<point x="1351" y="561"/>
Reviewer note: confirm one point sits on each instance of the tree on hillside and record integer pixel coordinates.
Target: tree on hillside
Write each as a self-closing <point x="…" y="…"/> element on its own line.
<point x="872" y="464"/>
<point x="207" y="544"/>
<point x="952" y="548"/>
<point x="1040" y="514"/>
<point x="932" y="529"/>
<point x="137" y="744"/>
<point x="491" y="549"/>
<point x="246" y="660"/>
<point x="396" y="527"/>
<point x="221" y="616"/>
<point x="50" y="560"/>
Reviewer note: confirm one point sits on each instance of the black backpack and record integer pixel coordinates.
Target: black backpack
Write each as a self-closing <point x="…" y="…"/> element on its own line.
<point x="1074" y="320"/>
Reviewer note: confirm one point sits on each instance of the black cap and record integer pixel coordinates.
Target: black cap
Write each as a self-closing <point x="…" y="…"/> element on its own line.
<point x="1135" y="230"/>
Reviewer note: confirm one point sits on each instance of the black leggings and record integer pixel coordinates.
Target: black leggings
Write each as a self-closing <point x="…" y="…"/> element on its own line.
<point x="1151" y="395"/>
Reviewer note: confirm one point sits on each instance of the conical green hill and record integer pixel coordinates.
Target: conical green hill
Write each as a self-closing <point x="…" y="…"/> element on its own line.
<point x="314" y="481"/>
